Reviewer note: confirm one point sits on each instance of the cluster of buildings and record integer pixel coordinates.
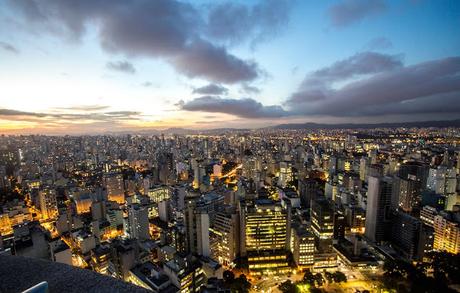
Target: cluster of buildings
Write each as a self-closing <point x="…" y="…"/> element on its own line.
<point x="172" y="213"/>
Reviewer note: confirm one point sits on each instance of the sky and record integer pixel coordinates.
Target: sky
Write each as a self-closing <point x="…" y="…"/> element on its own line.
<point x="97" y="66"/>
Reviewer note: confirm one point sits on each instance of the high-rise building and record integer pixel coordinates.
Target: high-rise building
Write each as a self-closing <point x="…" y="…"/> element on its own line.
<point x="122" y="259"/>
<point x="308" y="190"/>
<point x="100" y="257"/>
<point x="415" y="170"/>
<point x="446" y="233"/>
<point x="263" y="234"/>
<point x="406" y="194"/>
<point x="322" y="224"/>
<point x="363" y="165"/>
<point x="427" y="214"/>
<point x="185" y="273"/>
<point x="224" y="237"/>
<point x="114" y="185"/>
<point x="159" y="193"/>
<point x="406" y="235"/>
<point x="138" y="222"/>
<point x="60" y="252"/>
<point x="149" y="276"/>
<point x="285" y="174"/>
<point x="378" y="215"/>
<point x="197" y="227"/>
<point x="48" y="203"/>
<point x="303" y="247"/>
<point x="442" y="180"/>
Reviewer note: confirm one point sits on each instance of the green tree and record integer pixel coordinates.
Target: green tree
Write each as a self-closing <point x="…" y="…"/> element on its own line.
<point x="328" y="277"/>
<point x="403" y="276"/>
<point x="240" y="284"/>
<point x="287" y="287"/>
<point x="228" y="276"/>
<point x="319" y="279"/>
<point x="339" y="277"/>
<point x="309" y="278"/>
<point x="446" y="267"/>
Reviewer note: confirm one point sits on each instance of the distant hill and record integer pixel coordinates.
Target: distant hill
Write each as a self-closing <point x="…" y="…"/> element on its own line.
<point x="420" y="124"/>
<point x="307" y="125"/>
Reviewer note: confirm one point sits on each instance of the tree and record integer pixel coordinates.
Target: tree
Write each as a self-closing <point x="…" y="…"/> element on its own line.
<point x="287" y="287"/>
<point x="241" y="284"/>
<point x="228" y="276"/>
<point x="319" y="279"/>
<point x="328" y="276"/>
<point x="445" y="267"/>
<point x="339" y="277"/>
<point x="309" y="278"/>
<point x="403" y="276"/>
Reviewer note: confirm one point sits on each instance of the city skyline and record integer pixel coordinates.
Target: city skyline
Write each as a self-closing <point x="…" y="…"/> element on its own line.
<point x="96" y="67"/>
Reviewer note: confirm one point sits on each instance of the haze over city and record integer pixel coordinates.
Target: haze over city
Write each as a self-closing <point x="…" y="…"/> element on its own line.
<point x="75" y="67"/>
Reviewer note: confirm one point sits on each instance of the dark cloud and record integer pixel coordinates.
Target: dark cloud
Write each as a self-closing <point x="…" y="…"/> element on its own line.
<point x="122" y="113"/>
<point x="428" y="87"/>
<point x="122" y="66"/>
<point x="318" y="85"/>
<point x="380" y="43"/>
<point x="147" y="84"/>
<point x="249" y="89"/>
<point x="246" y="107"/>
<point x="371" y="84"/>
<point x="203" y="59"/>
<point x="8" y="47"/>
<point x="169" y="29"/>
<point x="233" y="22"/>
<point x="347" y="12"/>
<point x="71" y="117"/>
<point x="211" y="89"/>
<point x="10" y="112"/>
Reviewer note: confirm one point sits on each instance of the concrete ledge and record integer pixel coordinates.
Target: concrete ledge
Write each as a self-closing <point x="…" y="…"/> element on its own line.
<point x="20" y="273"/>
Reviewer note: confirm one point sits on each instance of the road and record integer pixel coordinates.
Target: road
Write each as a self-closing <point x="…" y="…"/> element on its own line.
<point x="357" y="280"/>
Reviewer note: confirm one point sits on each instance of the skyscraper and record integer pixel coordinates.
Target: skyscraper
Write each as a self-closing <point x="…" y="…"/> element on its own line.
<point x="114" y="185"/>
<point x="224" y="237"/>
<point x="264" y="236"/>
<point x="48" y="203"/>
<point x="322" y="224"/>
<point x="138" y="222"/>
<point x="378" y="225"/>
<point x="197" y="227"/>
<point x="446" y="233"/>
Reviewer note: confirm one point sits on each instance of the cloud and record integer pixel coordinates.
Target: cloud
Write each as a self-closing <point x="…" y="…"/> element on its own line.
<point x="249" y="89"/>
<point x="319" y="84"/>
<point x="259" y="21"/>
<point x="347" y="12"/>
<point x="246" y="107"/>
<point x="172" y="30"/>
<point x="211" y="89"/>
<point x="8" y="47"/>
<point x="428" y="87"/>
<point x="380" y="43"/>
<point x="10" y="112"/>
<point x="371" y="84"/>
<point x="203" y="59"/>
<point x="85" y="108"/>
<point x="112" y="116"/>
<point x="121" y="66"/>
<point x="122" y="113"/>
